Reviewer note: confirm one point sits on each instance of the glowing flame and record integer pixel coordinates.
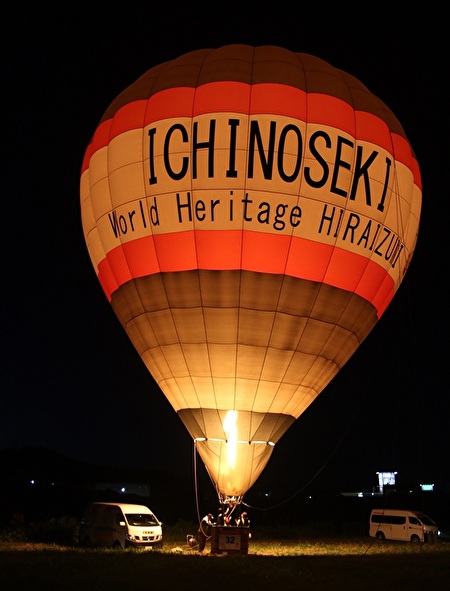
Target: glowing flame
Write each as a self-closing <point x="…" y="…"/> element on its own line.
<point x="230" y="428"/>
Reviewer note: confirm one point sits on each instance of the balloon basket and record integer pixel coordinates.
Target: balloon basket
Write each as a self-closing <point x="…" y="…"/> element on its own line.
<point x="229" y="540"/>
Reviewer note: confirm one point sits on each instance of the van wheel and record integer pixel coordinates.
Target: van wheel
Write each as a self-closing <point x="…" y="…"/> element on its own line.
<point x="380" y="535"/>
<point x="116" y="545"/>
<point x="415" y="539"/>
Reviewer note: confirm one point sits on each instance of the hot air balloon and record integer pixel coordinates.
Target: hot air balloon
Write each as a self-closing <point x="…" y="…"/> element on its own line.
<point x="250" y="212"/>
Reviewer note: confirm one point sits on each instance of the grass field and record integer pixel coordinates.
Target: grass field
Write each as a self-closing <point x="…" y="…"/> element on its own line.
<point x="358" y="564"/>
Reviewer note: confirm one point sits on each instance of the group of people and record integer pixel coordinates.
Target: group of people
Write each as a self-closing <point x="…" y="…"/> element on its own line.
<point x="224" y="518"/>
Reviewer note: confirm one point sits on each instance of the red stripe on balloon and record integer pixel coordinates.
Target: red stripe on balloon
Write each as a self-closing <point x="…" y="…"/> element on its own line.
<point x="327" y="110"/>
<point x="100" y="139"/>
<point x="174" y="102"/>
<point x="259" y="252"/>
<point x="221" y="97"/>
<point x="219" y="250"/>
<point x="279" y="100"/>
<point x="265" y="253"/>
<point x="131" y="117"/>
<point x="274" y="99"/>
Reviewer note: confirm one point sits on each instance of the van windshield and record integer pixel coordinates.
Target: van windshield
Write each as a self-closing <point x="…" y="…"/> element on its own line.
<point x="425" y="519"/>
<point x="141" y="519"/>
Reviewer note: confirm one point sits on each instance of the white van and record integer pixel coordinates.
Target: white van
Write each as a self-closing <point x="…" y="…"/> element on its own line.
<point x="407" y="526"/>
<point x="120" y="525"/>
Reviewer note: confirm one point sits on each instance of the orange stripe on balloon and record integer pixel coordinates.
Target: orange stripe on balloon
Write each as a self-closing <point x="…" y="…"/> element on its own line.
<point x="335" y="266"/>
<point x="403" y="153"/>
<point x="219" y="250"/>
<point x="176" y="252"/>
<point x="221" y="97"/>
<point x="275" y="99"/>
<point x="384" y="295"/>
<point x="259" y="252"/>
<point x="375" y="284"/>
<point x="312" y="257"/>
<point x="265" y="253"/>
<point x="130" y="116"/>
<point x="141" y="257"/>
<point x="120" y="265"/>
<point x="345" y="269"/>
<point x="327" y="110"/>
<point x="106" y="278"/>
<point x="170" y="103"/>
<point x="100" y="139"/>
<point x="279" y="100"/>
<point x="372" y="129"/>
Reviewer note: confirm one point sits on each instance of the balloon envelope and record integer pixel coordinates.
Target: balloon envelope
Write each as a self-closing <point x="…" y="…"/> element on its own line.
<point x="250" y="212"/>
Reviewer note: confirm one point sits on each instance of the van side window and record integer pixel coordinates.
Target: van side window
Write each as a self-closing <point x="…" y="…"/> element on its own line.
<point x="414" y="521"/>
<point x="425" y="519"/>
<point x="393" y="519"/>
<point x="118" y="518"/>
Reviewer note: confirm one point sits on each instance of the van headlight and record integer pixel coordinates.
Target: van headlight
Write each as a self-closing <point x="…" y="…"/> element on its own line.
<point x="130" y="538"/>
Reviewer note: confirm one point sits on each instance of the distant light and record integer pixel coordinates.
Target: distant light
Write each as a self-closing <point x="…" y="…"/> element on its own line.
<point x="122" y="490"/>
<point x="31" y="481"/>
<point x="386" y="479"/>
<point x="427" y="487"/>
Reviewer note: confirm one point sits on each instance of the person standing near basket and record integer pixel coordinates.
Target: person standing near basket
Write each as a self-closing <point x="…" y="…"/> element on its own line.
<point x="204" y="531"/>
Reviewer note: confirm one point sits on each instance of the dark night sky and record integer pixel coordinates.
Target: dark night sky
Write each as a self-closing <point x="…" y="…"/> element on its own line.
<point x="71" y="380"/>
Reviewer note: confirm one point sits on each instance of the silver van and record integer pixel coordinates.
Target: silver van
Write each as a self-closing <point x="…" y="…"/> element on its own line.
<point x="120" y="525"/>
<point x="407" y="526"/>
